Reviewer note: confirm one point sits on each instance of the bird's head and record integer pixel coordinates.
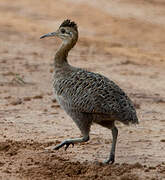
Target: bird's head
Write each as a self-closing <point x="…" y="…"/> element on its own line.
<point x="67" y="31"/>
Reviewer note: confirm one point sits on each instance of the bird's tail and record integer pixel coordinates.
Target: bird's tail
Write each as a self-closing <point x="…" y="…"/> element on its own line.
<point x="130" y="118"/>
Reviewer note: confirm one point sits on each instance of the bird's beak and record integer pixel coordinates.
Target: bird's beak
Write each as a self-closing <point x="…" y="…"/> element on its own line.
<point x="49" y="35"/>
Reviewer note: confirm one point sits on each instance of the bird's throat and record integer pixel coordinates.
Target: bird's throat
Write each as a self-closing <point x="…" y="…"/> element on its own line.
<point x="62" y="53"/>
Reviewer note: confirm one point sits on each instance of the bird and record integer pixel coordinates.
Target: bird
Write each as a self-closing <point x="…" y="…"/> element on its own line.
<point x="87" y="97"/>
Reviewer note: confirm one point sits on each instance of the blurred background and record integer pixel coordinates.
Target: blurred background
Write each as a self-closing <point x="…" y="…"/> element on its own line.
<point x="121" y="39"/>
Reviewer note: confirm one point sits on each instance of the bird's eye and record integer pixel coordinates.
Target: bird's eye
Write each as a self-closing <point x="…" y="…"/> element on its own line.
<point x="62" y="31"/>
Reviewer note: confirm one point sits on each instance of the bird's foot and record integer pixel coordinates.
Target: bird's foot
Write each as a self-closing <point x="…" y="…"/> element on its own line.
<point x="110" y="160"/>
<point x="64" y="143"/>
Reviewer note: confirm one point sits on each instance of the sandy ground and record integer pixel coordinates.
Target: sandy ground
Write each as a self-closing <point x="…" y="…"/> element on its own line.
<point x="122" y="39"/>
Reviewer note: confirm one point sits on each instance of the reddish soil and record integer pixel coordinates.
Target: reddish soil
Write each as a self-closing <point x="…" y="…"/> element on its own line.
<point x="122" y="39"/>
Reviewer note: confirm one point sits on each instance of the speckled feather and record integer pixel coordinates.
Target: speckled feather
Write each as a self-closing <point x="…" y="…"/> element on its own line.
<point x="92" y="93"/>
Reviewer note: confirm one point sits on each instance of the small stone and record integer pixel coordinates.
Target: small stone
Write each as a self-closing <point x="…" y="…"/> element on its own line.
<point x="162" y="140"/>
<point x="55" y="106"/>
<point x="16" y="102"/>
<point x="54" y="100"/>
<point x="38" y="97"/>
<point x="27" y="98"/>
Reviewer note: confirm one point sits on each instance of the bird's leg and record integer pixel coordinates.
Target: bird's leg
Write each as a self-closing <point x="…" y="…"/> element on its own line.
<point x="84" y="127"/>
<point x="111" y="158"/>
<point x="67" y="142"/>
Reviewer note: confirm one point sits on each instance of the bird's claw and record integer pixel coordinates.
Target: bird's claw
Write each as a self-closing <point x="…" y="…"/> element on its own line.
<point x="65" y="143"/>
<point x="110" y="160"/>
<point x="68" y="144"/>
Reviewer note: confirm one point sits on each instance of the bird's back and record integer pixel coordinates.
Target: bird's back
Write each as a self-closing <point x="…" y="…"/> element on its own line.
<point x="81" y="91"/>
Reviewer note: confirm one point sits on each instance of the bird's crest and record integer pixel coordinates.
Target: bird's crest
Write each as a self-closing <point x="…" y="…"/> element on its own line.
<point x="68" y="23"/>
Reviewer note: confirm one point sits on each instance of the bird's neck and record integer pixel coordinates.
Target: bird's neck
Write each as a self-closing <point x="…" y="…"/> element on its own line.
<point x="61" y="55"/>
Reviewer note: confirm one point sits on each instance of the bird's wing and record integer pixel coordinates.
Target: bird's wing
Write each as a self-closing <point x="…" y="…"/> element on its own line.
<point x="91" y="93"/>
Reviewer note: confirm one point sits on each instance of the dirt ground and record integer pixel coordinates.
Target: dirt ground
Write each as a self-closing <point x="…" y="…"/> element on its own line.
<point x="123" y="40"/>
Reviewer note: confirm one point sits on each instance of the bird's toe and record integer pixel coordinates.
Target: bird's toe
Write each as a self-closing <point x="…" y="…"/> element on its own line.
<point x="110" y="160"/>
<point x="68" y="144"/>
